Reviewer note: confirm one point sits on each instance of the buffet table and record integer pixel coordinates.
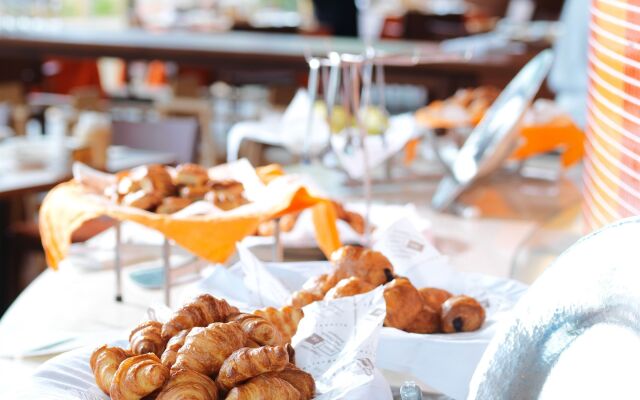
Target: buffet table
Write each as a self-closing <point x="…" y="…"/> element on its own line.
<point x="80" y="301"/>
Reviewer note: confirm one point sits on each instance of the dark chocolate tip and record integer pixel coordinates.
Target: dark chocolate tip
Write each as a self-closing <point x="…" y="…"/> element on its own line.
<point x="389" y="275"/>
<point x="119" y="298"/>
<point x="458" y="324"/>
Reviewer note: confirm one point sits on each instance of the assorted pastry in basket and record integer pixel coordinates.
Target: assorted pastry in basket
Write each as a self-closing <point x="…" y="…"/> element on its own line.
<point x="465" y="108"/>
<point x="357" y="270"/>
<point x="166" y="190"/>
<point x="208" y="350"/>
<point x="288" y="221"/>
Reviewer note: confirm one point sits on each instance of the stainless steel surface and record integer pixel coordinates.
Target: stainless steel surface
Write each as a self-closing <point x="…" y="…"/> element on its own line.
<point x="118" y="262"/>
<point x="493" y="140"/>
<point x="166" y="266"/>
<point x="576" y="333"/>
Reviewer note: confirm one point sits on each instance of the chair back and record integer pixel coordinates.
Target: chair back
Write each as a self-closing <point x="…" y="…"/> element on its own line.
<point x="178" y="136"/>
<point x="576" y="332"/>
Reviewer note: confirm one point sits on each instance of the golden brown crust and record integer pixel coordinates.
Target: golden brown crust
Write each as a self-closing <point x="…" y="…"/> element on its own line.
<point x="104" y="363"/>
<point x="153" y="178"/>
<point x="147" y="338"/>
<point x="202" y="311"/>
<point x="190" y="175"/>
<point x="193" y="193"/>
<point x="299" y="379"/>
<point x="258" y="329"/>
<point x="427" y="321"/>
<point x="173" y="345"/>
<point x="137" y="377"/>
<point x="264" y="388"/>
<point x="462" y="314"/>
<point x="185" y="384"/>
<point x="247" y="363"/>
<point x="434" y="297"/>
<point x="285" y="319"/>
<point x="173" y="204"/>
<point x="403" y="303"/>
<point x="287" y="223"/>
<point x="141" y="199"/>
<point x="205" y="349"/>
<point x="302" y="298"/>
<point x="369" y="265"/>
<point x="349" y="287"/>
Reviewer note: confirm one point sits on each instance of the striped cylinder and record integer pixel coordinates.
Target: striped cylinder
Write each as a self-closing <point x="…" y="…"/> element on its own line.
<point x="612" y="164"/>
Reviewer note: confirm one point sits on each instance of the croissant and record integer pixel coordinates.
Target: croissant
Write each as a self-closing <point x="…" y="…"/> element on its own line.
<point x="264" y="387"/>
<point x="258" y="329"/>
<point x="204" y="310"/>
<point x="313" y="290"/>
<point x="369" y="265"/>
<point x="137" y="377"/>
<point x="187" y="384"/>
<point x="403" y="303"/>
<point x="174" y="344"/>
<point x="104" y="363"/>
<point x="299" y="379"/>
<point x="147" y="338"/>
<point x="462" y="314"/>
<point x="427" y="321"/>
<point x="286" y="319"/>
<point x="247" y="363"/>
<point x="302" y="298"/>
<point x="349" y="287"/>
<point x="434" y="297"/>
<point x="205" y="349"/>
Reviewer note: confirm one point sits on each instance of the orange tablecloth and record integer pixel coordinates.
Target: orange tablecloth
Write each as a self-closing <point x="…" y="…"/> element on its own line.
<point x="212" y="237"/>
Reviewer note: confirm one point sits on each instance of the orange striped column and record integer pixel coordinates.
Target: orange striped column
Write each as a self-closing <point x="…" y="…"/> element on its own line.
<point x="612" y="163"/>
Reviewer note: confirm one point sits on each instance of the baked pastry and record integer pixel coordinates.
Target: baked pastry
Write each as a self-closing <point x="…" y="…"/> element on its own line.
<point x="403" y="303"/>
<point x="302" y="298"/>
<point x="172" y="204"/>
<point x="202" y="311"/>
<point x="205" y="349"/>
<point x="299" y="379"/>
<point x="147" y="338"/>
<point x="356" y="221"/>
<point x="287" y="222"/>
<point x="426" y="321"/>
<point x="137" y="377"/>
<point x="462" y="314"/>
<point x="174" y="344"/>
<point x="434" y="297"/>
<point x="125" y="185"/>
<point x="104" y="363"/>
<point x="193" y="193"/>
<point x="264" y="387"/>
<point x="258" y="329"/>
<point x="229" y="188"/>
<point x="286" y="319"/>
<point x="153" y="178"/>
<point x="369" y="265"/>
<point x="313" y="290"/>
<point x="186" y="384"/>
<point x="226" y="194"/>
<point x="141" y="199"/>
<point x="247" y="363"/>
<point x="349" y="287"/>
<point x="190" y="175"/>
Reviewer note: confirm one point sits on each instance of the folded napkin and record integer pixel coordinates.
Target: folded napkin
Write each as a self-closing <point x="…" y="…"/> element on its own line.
<point x="211" y="236"/>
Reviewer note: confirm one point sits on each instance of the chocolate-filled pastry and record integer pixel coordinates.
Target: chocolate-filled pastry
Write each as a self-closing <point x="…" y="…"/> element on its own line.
<point x="193" y="193"/>
<point x="264" y="387"/>
<point x="190" y="175"/>
<point x="147" y="338"/>
<point x="247" y="363"/>
<point x="104" y="363"/>
<point x="172" y="204"/>
<point x="173" y="345"/>
<point x="462" y="314"/>
<point x="369" y="265"/>
<point x="299" y="379"/>
<point x="153" y="178"/>
<point x="141" y="199"/>
<point x="349" y="287"/>
<point x="403" y="303"/>
<point x="205" y="349"/>
<point x="434" y="297"/>
<point x="426" y="321"/>
<point x="202" y="311"/>
<point x="187" y="384"/>
<point x="137" y="377"/>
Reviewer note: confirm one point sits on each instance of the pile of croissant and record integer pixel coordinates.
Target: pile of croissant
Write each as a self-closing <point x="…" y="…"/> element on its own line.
<point x="166" y="190"/>
<point x="359" y="270"/>
<point x="208" y="350"/>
